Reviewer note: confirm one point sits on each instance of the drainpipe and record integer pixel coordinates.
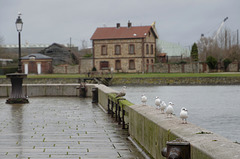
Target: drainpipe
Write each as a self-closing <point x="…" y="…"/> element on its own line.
<point x="143" y="62"/>
<point x="93" y="50"/>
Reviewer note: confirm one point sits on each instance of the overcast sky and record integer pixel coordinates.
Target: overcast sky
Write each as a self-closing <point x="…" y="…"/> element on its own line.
<point x="178" y="21"/>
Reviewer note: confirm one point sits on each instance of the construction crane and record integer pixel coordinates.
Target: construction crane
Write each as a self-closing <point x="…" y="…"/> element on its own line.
<point x="219" y="29"/>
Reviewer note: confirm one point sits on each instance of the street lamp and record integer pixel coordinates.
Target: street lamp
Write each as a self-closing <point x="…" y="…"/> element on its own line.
<point x="19" y="26"/>
<point x="17" y="96"/>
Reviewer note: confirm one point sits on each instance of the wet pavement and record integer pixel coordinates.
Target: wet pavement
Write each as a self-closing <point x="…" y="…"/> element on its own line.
<point x="61" y="128"/>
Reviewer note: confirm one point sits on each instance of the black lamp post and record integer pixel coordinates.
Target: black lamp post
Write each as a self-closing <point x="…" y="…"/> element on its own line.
<point x="19" y="26"/>
<point x="16" y="96"/>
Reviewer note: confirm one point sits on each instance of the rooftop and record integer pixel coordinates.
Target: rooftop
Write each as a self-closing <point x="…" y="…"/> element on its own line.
<point x="118" y="32"/>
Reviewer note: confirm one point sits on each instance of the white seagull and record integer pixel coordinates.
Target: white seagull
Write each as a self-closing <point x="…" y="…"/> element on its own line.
<point x="122" y="92"/>
<point x="184" y="115"/>
<point x="169" y="110"/>
<point x="157" y="103"/>
<point x="144" y="99"/>
<point x="163" y="106"/>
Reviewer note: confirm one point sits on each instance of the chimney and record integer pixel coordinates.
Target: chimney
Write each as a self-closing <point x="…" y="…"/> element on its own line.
<point x="129" y="24"/>
<point x="118" y="25"/>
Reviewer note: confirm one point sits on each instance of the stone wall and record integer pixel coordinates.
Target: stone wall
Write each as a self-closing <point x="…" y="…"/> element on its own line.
<point x="46" y="90"/>
<point x="151" y="130"/>
<point x="86" y="65"/>
<point x="180" y="68"/>
<point x="140" y="81"/>
<point x="233" y="67"/>
<point x="177" y="81"/>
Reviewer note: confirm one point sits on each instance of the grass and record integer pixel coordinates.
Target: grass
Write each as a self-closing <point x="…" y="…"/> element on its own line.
<point x="140" y="75"/>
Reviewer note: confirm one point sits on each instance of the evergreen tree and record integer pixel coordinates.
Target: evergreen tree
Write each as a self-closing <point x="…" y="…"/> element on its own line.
<point x="194" y="52"/>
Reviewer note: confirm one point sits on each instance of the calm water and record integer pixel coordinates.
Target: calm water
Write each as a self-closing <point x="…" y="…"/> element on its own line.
<point x="216" y="108"/>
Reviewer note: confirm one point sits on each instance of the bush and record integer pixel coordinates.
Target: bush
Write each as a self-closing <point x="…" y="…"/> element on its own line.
<point x="211" y="62"/>
<point x="94" y="69"/>
<point x="226" y="62"/>
<point x="6" y="70"/>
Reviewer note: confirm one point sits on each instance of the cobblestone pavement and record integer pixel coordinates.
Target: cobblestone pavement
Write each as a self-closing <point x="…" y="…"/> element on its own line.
<point x="61" y="128"/>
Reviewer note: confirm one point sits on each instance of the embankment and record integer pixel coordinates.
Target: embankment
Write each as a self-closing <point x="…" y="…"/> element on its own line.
<point x="147" y="126"/>
<point x="141" y="81"/>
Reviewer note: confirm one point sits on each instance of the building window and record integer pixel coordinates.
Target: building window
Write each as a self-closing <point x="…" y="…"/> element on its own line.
<point x="131" y="49"/>
<point x="151" y="49"/>
<point x="117" y="65"/>
<point x="131" y="65"/>
<point x="152" y="61"/>
<point x="104" y="65"/>
<point x="147" y="49"/>
<point x="117" y="49"/>
<point x="104" y="50"/>
<point x="147" y="61"/>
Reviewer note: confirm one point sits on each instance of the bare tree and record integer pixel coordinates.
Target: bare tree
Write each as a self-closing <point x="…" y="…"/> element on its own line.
<point x="222" y="46"/>
<point x="1" y="43"/>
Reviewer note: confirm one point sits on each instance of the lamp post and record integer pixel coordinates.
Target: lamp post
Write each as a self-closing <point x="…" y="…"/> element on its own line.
<point x="17" y="96"/>
<point x="19" y="26"/>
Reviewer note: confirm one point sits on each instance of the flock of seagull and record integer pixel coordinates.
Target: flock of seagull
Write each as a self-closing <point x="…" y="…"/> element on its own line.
<point x="161" y="105"/>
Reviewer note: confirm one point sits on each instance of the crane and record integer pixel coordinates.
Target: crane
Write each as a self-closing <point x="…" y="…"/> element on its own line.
<point x="219" y="29"/>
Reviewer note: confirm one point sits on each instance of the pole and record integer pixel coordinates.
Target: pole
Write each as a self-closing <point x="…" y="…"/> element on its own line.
<point x="70" y="44"/>
<point x="237" y="38"/>
<point x="19" y="53"/>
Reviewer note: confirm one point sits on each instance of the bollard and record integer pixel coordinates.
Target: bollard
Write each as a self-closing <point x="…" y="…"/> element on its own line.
<point x="94" y="95"/>
<point x="82" y="90"/>
<point x="177" y="149"/>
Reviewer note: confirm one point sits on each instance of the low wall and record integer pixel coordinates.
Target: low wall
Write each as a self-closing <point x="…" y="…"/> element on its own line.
<point x="177" y="81"/>
<point x="151" y="130"/>
<point x="42" y="90"/>
<point x="141" y="81"/>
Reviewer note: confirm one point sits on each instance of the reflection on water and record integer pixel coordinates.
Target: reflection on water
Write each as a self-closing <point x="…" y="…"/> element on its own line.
<point x="16" y="123"/>
<point x="216" y="108"/>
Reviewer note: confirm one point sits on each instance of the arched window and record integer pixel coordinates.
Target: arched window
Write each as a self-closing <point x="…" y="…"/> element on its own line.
<point x="147" y="49"/>
<point x="151" y="49"/>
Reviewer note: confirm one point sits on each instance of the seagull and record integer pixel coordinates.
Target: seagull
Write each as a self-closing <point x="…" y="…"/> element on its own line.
<point x="163" y="106"/>
<point x="122" y="92"/>
<point x="144" y="99"/>
<point x="157" y="102"/>
<point x="184" y="115"/>
<point x="169" y="110"/>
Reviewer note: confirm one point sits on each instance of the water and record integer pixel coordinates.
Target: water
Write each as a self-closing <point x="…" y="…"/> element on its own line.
<point x="216" y="108"/>
<point x="61" y="127"/>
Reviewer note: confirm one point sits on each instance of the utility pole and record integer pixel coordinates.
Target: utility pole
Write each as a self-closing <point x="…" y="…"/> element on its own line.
<point x="70" y="45"/>
<point x="237" y="38"/>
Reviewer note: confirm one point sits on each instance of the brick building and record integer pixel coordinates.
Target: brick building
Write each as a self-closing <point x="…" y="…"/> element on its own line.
<point x="37" y="64"/>
<point x="124" y="49"/>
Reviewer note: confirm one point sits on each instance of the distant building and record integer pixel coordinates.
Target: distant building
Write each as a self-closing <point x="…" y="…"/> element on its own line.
<point x="4" y="62"/>
<point x="61" y="54"/>
<point x="37" y="64"/>
<point x="124" y="49"/>
<point x="168" y="51"/>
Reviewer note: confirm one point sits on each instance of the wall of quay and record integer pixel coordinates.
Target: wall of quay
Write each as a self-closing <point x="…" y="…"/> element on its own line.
<point x="140" y="81"/>
<point x="146" y="125"/>
<point x="151" y="130"/>
<point x="178" y="81"/>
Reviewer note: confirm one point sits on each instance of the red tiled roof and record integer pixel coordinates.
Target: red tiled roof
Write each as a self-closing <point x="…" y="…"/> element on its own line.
<point x="121" y="33"/>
